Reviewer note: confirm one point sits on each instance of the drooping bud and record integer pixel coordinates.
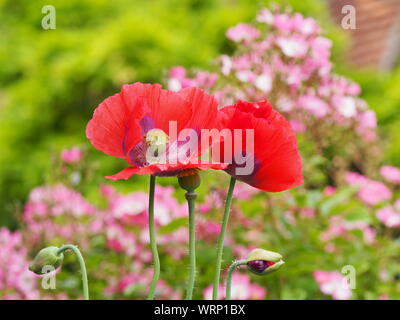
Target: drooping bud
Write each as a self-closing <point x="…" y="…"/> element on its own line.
<point x="189" y="180"/>
<point x="46" y="257"/>
<point x="260" y="261"/>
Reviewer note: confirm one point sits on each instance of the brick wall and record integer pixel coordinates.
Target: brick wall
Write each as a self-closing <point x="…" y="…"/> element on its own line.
<point x="375" y="43"/>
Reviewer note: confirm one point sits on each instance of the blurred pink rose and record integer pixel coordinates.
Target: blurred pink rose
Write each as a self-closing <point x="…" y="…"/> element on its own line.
<point x="333" y="283"/>
<point x="16" y="281"/>
<point x="391" y="174"/>
<point x="389" y="216"/>
<point x="242" y="289"/>
<point x="370" y="191"/>
<point x="242" y="32"/>
<point x="72" y="155"/>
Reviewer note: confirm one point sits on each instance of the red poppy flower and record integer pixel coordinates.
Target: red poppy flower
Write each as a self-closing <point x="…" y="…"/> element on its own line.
<point x="136" y="122"/>
<point x="273" y="152"/>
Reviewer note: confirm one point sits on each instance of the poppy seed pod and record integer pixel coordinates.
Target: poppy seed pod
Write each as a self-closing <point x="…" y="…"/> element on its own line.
<point x="189" y="180"/>
<point x="260" y="261"/>
<point x="46" y="257"/>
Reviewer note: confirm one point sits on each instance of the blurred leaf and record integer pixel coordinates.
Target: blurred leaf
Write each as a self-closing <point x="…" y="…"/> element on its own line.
<point x="174" y="225"/>
<point x="340" y="197"/>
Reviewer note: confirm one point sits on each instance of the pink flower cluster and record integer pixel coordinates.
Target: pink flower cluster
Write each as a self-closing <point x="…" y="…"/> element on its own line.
<point x="57" y="215"/>
<point x="57" y="212"/>
<point x="16" y="281"/>
<point x="371" y="192"/>
<point x="242" y="289"/>
<point x="126" y="217"/>
<point x="390" y="215"/>
<point x="140" y="283"/>
<point x="73" y="155"/>
<point x="333" y="283"/>
<point x="287" y="55"/>
<point x="131" y="209"/>
<point x="338" y="227"/>
<point x="243" y="32"/>
<point x="215" y="198"/>
<point x="391" y="174"/>
<point x="178" y="79"/>
<point x="124" y="223"/>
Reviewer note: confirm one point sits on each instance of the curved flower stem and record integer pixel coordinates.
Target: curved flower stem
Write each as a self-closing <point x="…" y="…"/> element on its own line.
<point x="82" y="265"/>
<point x="153" y="241"/>
<point x="191" y="198"/>
<point x="220" y="246"/>
<point x="232" y="268"/>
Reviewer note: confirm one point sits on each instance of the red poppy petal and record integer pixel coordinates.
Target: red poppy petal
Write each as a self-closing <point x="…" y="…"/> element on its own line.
<point x="114" y="126"/>
<point x="131" y="92"/>
<point x="162" y="106"/>
<point x="106" y="130"/>
<point x="282" y="175"/>
<point x="125" y="174"/>
<point x="204" y="107"/>
<point x="282" y="164"/>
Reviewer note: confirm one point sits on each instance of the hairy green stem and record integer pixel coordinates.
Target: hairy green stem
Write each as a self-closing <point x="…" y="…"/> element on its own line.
<point x="82" y="265"/>
<point x="232" y="268"/>
<point x="153" y="242"/>
<point x="191" y="198"/>
<point x="221" y="239"/>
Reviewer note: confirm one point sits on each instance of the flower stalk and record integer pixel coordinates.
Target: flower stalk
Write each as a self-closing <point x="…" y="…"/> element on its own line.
<point x="190" y="180"/>
<point x="191" y="198"/>
<point x="221" y="238"/>
<point x="153" y="242"/>
<point x="54" y="256"/>
<point x="82" y="266"/>
<point x="232" y="268"/>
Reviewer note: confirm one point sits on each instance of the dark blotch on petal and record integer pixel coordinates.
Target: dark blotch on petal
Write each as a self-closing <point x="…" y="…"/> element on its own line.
<point x="137" y="155"/>
<point x="146" y="123"/>
<point x="248" y="178"/>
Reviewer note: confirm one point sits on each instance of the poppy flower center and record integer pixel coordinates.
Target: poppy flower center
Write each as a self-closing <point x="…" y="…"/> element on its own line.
<point x="156" y="141"/>
<point x="151" y="150"/>
<point x="259" y="266"/>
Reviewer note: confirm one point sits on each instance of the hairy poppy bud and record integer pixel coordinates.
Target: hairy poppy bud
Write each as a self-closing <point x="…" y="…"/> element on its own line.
<point x="45" y="257"/>
<point x="260" y="261"/>
<point x="189" y="180"/>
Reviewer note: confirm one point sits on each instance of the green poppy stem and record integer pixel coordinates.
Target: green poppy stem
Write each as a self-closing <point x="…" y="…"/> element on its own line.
<point x="153" y="242"/>
<point x="191" y="198"/>
<point x="221" y="239"/>
<point x="82" y="265"/>
<point x="232" y="268"/>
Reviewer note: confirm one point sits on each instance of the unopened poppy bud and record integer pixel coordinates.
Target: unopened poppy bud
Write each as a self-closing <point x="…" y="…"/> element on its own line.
<point x="46" y="257"/>
<point x="260" y="261"/>
<point x="189" y="180"/>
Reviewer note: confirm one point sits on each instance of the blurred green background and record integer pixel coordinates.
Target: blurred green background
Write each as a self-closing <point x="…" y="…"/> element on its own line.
<point x="51" y="80"/>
